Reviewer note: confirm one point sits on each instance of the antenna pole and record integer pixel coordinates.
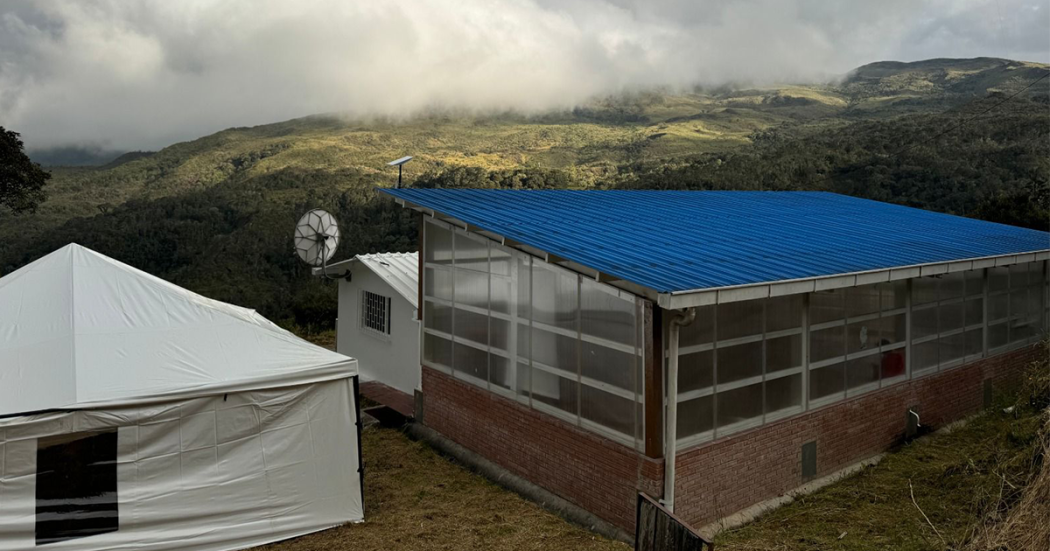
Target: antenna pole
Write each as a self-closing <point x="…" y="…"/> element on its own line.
<point x="399" y="175"/>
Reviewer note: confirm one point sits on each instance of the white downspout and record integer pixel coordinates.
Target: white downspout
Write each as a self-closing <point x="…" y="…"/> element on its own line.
<point x="671" y="436"/>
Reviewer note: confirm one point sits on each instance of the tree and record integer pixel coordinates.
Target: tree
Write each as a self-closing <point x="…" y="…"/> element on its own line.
<point x="21" y="180"/>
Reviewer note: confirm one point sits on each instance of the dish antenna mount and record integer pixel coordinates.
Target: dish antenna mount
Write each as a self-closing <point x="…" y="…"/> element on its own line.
<point x="316" y="238"/>
<point x="398" y="163"/>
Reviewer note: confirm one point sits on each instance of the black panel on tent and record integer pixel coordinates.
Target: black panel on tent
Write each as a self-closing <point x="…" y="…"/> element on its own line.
<point x="76" y="486"/>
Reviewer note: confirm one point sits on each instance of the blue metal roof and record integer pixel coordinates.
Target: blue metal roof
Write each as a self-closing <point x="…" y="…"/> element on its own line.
<point x="671" y="241"/>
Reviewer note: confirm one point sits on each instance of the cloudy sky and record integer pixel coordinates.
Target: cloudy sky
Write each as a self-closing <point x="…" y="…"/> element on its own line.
<point x="141" y="74"/>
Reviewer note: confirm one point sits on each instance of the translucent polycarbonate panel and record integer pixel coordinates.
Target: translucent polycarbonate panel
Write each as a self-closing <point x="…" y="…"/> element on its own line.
<point x="1019" y="302"/>
<point x="468" y="360"/>
<point x="952" y="316"/>
<point x="892" y="363"/>
<point x="924" y="290"/>
<point x="998" y="279"/>
<point x="437" y="350"/>
<point x="974" y="341"/>
<point x="437" y="317"/>
<point x="827" y="306"/>
<point x="472" y="288"/>
<point x="862" y="300"/>
<point x="555" y="349"/>
<point x="863" y="371"/>
<point x="555" y="299"/>
<point x="524" y="304"/>
<point x="500" y="260"/>
<point x="827" y="343"/>
<point x="438" y="244"/>
<point x="998" y="306"/>
<point x="605" y="315"/>
<point x="924" y="322"/>
<point x="695" y="371"/>
<point x="783" y="393"/>
<point x="437" y="283"/>
<point x="893" y="329"/>
<point x="924" y="356"/>
<point x="471" y="253"/>
<point x="524" y="377"/>
<point x="500" y="299"/>
<point x="696" y="416"/>
<point x="608" y="410"/>
<point x="739" y="362"/>
<point x="738" y="405"/>
<point x="783" y="353"/>
<point x="1019" y="275"/>
<point x="953" y="347"/>
<point x="701" y="331"/>
<point x="894" y="294"/>
<point x="998" y="335"/>
<point x="827" y="381"/>
<point x="555" y="391"/>
<point x="974" y="282"/>
<point x="784" y="313"/>
<point x="614" y="367"/>
<point x="863" y="335"/>
<point x="500" y="335"/>
<point x="470" y="326"/>
<point x="523" y="336"/>
<point x="953" y="285"/>
<point x="739" y="319"/>
<point x="500" y="372"/>
<point x="1020" y="330"/>
<point x="974" y="311"/>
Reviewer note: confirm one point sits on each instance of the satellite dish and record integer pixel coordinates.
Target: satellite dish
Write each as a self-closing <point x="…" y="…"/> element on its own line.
<point x="316" y="237"/>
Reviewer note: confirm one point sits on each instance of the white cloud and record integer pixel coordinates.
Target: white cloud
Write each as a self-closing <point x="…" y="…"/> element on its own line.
<point x="129" y="74"/>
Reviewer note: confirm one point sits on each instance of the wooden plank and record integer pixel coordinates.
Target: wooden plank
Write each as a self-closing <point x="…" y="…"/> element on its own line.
<point x="653" y="379"/>
<point x="657" y="529"/>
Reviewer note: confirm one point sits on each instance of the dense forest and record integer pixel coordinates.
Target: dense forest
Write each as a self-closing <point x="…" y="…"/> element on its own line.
<point x="216" y="215"/>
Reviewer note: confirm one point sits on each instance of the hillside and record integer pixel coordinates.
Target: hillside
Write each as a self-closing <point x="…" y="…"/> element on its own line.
<point x="215" y="214"/>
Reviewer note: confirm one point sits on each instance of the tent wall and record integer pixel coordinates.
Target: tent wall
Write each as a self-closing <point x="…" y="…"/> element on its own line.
<point x="223" y="472"/>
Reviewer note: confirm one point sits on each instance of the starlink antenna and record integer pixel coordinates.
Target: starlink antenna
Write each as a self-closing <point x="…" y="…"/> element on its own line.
<point x="398" y="164"/>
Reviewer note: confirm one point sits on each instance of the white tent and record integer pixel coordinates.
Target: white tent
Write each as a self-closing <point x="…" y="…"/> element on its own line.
<point x="135" y="414"/>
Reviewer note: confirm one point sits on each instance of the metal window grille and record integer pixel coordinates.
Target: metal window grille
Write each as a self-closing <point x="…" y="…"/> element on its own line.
<point x="375" y="312"/>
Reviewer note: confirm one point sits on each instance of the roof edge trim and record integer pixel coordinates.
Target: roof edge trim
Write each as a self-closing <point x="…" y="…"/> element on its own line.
<point x="718" y="295"/>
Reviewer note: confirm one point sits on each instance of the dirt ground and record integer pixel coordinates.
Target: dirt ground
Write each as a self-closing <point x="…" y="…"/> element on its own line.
<point x="418" y="500"/>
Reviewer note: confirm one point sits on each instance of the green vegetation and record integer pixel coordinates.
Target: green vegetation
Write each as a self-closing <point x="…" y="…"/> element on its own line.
<point x="955" y="489"/>
<point x="216" y="214"/>
<point x="21" y="180"/>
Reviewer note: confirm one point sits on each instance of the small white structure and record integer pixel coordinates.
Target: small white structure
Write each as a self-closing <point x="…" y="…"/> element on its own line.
<point x="135" y="414"/>
<point x="378" y="319"/>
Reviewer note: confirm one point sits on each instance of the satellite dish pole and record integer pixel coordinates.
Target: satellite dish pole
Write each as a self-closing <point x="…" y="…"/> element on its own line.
<point x="398" y="163"/>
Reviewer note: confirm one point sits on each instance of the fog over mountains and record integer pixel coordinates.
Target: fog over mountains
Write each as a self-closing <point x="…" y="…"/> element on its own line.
<point x="116" y="76"/>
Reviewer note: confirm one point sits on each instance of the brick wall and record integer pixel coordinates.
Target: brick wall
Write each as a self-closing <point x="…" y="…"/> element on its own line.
<point x="722" y="477"/>
<point x="717" y="478"/>
<point x="600" y="475"/>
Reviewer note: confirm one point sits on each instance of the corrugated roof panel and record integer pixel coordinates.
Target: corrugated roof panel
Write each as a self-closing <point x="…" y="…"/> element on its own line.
<point x="673" y="241"/>
<point x="399" y="270"/>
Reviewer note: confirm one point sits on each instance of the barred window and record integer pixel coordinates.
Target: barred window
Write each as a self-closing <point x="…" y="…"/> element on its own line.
<point x="375" y="312"/>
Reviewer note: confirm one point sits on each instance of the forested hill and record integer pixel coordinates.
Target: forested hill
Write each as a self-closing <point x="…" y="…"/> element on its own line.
<point x="216" y="214"/>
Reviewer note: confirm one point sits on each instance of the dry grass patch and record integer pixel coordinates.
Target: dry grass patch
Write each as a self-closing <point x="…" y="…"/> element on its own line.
<point x="418" y="500"/>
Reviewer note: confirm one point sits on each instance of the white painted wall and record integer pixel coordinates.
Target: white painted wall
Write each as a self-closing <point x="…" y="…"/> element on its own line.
<point x="392" y="359"/>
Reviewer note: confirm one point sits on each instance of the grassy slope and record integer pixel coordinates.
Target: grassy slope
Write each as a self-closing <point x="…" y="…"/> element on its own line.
<point x="959" y="478"/>
<point x="415" y="499"/>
